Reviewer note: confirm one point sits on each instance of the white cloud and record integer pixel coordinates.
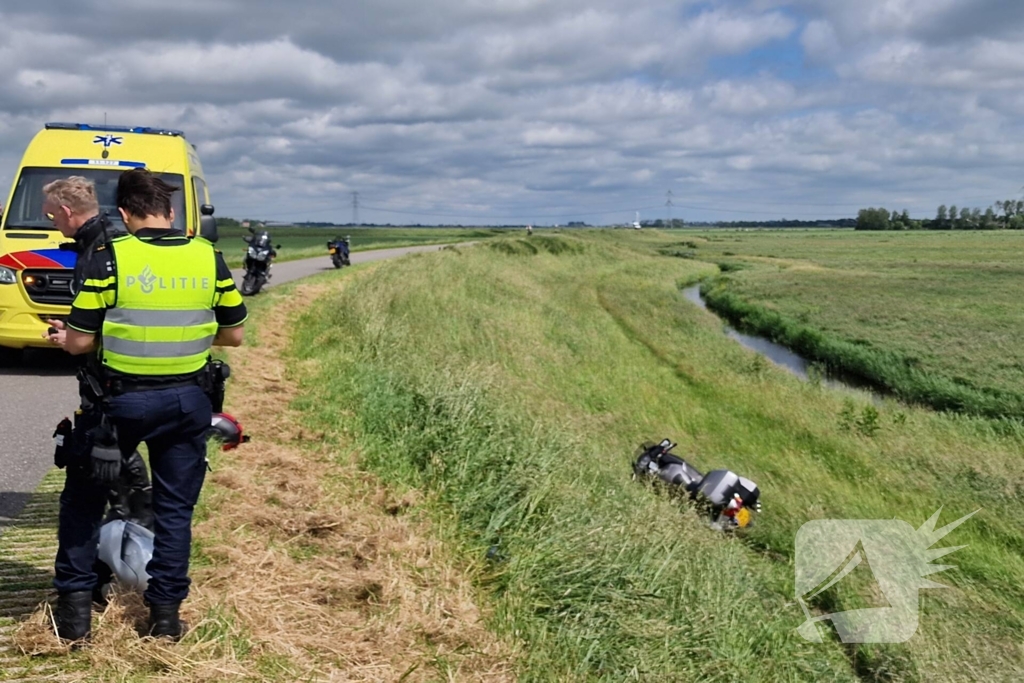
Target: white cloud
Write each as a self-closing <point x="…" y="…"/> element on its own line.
<point x="975" y="66"/>
<point x="526" y="108"/>
<point x="766" y="94"/>
<point x="729" y="33"/>
<point x="820" y="41"/>
<point x="559" y="136"/>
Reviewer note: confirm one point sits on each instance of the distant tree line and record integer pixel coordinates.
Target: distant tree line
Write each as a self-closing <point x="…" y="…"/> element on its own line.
<point x="1007" y="215"/>
<point x="228" y="222"/>
<point x="781" y="223"/>
<point x="224" y="222"/>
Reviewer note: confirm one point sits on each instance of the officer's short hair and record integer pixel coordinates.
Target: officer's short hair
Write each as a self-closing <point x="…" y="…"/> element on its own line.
<point x="76" y="193"/>
<point x="142" y="193"/>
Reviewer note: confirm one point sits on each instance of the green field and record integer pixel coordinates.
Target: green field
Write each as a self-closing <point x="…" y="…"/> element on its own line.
<point x="512" y="381"/>
<point x="300" y="243"/>
<point x="934" y="317"/>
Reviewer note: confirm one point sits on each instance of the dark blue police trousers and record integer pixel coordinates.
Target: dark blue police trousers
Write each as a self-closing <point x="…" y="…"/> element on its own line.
<point x="173" y="424"/>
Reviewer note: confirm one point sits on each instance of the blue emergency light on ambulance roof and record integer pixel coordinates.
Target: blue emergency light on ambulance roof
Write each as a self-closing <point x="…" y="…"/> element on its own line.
<point x="103" y="128"/>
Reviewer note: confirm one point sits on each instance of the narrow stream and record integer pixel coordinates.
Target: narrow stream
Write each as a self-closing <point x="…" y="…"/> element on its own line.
<point x="776" y="353"/>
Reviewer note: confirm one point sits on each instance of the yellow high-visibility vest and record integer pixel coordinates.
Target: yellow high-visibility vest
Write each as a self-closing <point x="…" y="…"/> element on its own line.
<point x="162" y="322"/>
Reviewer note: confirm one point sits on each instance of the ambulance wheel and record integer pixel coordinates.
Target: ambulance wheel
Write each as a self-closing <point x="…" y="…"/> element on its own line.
<point x="10" y="358"/>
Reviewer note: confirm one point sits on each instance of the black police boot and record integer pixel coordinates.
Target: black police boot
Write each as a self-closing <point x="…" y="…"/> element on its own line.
<point x="74" y="615"/>
<point x="164" y="622"/>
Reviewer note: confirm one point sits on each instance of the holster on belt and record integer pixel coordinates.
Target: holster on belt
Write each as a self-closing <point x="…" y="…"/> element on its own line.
<point x="213" y="381"/>
<point x="91" y="385"/>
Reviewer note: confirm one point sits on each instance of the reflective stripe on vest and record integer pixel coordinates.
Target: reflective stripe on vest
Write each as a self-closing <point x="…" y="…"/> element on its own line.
<point x="161" y="318"/>
<point x="151" y="349"/>
<point x="163" y="322"/>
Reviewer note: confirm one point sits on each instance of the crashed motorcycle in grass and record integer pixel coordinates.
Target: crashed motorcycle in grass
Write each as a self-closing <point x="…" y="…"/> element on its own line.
<point x="338" y="248"/>
<point x="126" y="537"/>
<point x="729" y="500"/>
<point x="258" y="262"/>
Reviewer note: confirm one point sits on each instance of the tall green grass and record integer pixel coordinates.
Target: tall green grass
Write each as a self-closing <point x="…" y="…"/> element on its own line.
<point x="888" y="370"/>
<point x="512" y="381"/>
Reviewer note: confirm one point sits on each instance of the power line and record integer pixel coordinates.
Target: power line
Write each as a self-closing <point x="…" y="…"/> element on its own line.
<point x="619" y="209"/>
<point x="615" y="205"/>
<point x="749" y="202"/>
<point x="582" y="213"/>
<point x="517" y="216"/>
<point x="574" y="214"/>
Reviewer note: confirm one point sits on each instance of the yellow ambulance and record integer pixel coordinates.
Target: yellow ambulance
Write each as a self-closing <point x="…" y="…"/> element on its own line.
<point x="35" y="273"/>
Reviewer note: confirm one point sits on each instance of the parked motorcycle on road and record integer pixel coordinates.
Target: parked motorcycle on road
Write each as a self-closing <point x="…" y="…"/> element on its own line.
<point x="338" y="248"/>
<point x="258" y="261"/>
<point x="729" y="500"/>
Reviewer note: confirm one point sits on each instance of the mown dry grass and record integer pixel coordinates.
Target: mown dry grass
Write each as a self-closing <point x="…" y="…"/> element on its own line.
<point x="304" y="567"/>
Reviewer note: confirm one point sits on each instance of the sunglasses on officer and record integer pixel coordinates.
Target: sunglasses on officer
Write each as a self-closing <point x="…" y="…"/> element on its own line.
<point x="52" y="217"/>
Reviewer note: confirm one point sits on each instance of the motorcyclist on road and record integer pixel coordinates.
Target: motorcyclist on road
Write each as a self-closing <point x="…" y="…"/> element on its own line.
<point x="341" y="250"/>
<point x="258" y="261"/>
<point x="261" y="239"/>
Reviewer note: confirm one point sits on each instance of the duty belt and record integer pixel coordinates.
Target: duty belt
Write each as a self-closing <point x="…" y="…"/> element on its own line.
<point x="118" y="385"/>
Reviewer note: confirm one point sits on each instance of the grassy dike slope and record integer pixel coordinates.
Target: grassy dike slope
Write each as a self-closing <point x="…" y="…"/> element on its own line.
<point x="511" y="382"/>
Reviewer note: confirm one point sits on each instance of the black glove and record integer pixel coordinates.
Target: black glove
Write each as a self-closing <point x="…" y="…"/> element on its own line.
<point x="106" y="457"/>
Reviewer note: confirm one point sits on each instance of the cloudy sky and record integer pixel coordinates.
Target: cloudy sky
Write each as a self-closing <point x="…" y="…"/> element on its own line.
<point x="515" y="111"/>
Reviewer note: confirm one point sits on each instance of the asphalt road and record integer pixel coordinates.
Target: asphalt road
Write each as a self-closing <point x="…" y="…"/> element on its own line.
<point x="39" y="392"/>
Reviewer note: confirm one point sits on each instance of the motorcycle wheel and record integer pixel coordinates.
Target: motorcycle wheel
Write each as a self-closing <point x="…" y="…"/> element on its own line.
<point x="336" y="262"/>
<point x="249" y="286"/>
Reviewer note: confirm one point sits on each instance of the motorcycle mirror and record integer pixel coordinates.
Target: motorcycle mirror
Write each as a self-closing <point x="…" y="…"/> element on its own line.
<point x="277" y="246"/>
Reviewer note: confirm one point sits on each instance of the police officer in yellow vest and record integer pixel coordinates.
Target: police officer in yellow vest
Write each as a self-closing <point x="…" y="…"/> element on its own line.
<point x="152" y="305"/>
